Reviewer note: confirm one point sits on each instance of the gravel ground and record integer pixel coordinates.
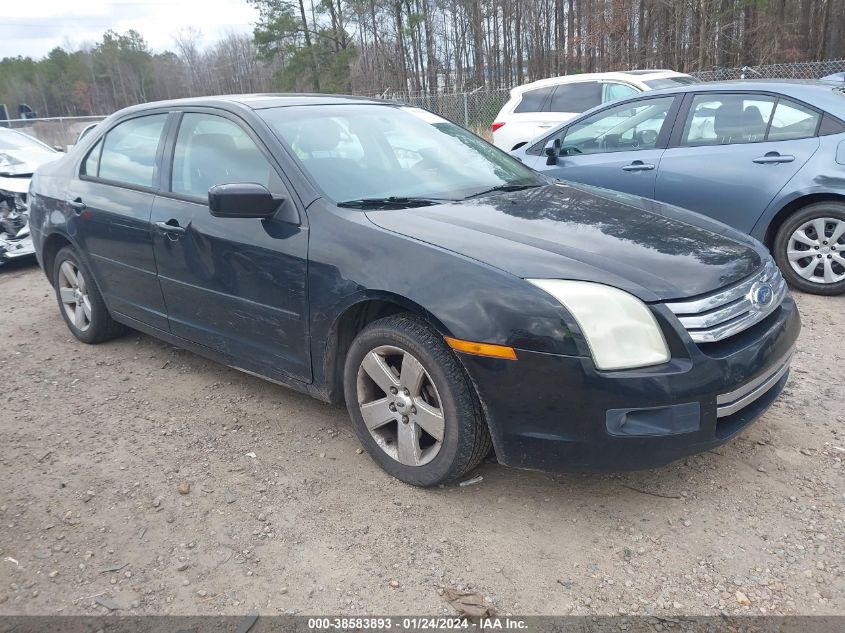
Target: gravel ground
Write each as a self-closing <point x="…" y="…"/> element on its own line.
<point x="151" y="480"/>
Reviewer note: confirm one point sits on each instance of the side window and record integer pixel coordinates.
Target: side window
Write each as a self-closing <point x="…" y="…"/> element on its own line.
<point x="92" y="163"/>
<point x="723" y="119"/>
<point x="614" y="92"/>
<point x="212" y="150"/>
<point x="792" y="121"/>
<point x="626" y="127"/>
<point x="578" y="96"/>
<point x="129" y="151"/>
<point x="535" y="100"/>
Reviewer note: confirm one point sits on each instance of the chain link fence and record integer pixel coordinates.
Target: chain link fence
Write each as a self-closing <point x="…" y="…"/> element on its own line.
<point x="58" y="132"/>
<point x="796" y="70"/>
<point x="474" y="110"/>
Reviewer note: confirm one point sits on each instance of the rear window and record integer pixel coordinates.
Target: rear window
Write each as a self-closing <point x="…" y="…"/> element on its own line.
<point x="535" y="100"/>
<point x="670" y="82"/>
<point x="576" y="97"/>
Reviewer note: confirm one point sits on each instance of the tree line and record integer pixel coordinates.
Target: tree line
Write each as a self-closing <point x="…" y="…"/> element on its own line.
<point x="425" y="46"/>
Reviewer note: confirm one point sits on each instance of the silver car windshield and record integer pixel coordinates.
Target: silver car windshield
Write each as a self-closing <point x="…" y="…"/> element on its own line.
<point x="366" y="151"/>
<point x="11" y="140"/>
<point x="670" y="82"/>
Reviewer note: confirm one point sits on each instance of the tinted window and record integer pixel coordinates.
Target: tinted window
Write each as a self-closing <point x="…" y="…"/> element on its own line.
<point x="92" y="162"/>
<point x="626" y="127"/>
<point x="129" y="150"/>
<point x="718" y="119"/>
<point x="211" y="150"/>
<point x="535" y="100"/>
<point x="831" y="125"/>
<point x="576" y="97"/>
<point x="613" y="92"/>
<point x="792" y="121"/>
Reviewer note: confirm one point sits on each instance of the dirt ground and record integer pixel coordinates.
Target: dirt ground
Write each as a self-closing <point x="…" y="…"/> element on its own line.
<point x="284" y="515"/>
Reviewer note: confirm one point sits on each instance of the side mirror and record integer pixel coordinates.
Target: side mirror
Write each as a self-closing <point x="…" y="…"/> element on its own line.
<point x="552" y="151"/>
<point x="242" y="200"/>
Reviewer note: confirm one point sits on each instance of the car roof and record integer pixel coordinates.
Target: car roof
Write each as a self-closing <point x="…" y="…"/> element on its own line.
<point x="260" y="101"/>
<point x="622" y="75"/>
<point x="826" y="95"/>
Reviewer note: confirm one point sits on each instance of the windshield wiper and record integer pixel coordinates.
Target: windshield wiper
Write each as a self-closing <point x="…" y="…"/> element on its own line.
<point x="503" y="188"/>
<point x="392" y="202"/>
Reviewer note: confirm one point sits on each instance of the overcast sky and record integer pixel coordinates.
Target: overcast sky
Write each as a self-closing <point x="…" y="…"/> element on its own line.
<point x="34" y="27"/>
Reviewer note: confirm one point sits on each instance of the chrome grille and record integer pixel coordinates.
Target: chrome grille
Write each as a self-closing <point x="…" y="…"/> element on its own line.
<point x="730" y="310"/>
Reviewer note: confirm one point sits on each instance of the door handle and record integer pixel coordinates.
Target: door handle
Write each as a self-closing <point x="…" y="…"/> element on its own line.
<point x="638" y="165"/>
<point x="771" y="158"/>
<point x="76" y="204"/>
<point x="171" y="228"/>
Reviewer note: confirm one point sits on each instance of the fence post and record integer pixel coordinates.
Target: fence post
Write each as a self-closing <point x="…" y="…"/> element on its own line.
<point x="64" y="132"/>
<point x="466" y="111"/>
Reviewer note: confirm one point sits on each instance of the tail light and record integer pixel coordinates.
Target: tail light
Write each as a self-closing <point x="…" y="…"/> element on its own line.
<point x="497" y="125"/>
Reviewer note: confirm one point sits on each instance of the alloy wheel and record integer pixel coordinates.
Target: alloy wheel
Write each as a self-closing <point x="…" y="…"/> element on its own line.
<point x="816" y="250"/>
<point x="400" y="405"/>
<point x="74" y="295"/>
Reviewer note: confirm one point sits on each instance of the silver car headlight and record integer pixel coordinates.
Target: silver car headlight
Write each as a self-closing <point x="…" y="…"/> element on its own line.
<point x="621" y="331"/>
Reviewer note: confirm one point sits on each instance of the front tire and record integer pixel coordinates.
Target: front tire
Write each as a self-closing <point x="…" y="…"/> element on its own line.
<point x="809" y="248"/>
<point x="412" y="404"/>
<point x="80" y="302"/>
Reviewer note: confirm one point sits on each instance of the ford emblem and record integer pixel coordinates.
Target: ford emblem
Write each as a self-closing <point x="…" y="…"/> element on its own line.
<point x="762" y="294"/>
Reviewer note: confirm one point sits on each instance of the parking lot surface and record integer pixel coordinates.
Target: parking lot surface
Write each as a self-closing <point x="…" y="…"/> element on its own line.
<point x="144" y="478"/>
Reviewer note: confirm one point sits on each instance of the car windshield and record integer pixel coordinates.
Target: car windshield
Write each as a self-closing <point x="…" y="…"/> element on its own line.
<point x="670" y="82"/>
<point x="10" y="140"/>
<point x="368" y="151"/>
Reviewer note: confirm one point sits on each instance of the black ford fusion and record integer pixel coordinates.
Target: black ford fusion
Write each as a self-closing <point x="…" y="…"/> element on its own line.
<point x="456" y="300"/>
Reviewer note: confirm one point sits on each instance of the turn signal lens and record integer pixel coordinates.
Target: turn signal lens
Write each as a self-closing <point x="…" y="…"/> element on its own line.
<point x="481" y="349"/>
<point x="497" y="125"/>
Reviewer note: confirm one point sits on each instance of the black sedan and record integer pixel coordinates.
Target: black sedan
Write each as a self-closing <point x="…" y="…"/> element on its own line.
<point x="456" y="300"/>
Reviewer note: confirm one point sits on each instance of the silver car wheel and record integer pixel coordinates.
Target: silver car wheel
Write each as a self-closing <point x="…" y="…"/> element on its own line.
<point x="400" y="405"/>
<point x="816" y="250"/>
<point x="74" y="295"/>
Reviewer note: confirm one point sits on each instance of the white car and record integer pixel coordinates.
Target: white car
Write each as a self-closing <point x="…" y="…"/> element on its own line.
<point x="20" y="155"/>
<point x="536" y="107"/>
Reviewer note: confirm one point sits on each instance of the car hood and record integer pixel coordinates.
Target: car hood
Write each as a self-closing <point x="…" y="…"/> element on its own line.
<point x="568" y="231"/>
<point x="24" y="162"/>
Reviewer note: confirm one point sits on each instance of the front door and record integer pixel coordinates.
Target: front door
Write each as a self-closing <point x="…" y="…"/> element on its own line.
<point x="735" y="152"/>
<point x="234" y="285"/>
<point x="617" y="148"/>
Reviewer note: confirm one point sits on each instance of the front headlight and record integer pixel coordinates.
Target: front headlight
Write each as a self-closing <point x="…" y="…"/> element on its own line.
<point x="620" y="329"/>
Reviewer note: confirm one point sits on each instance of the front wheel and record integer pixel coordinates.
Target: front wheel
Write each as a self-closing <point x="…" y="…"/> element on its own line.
<point x="810" y="249"/>
<point x="411" y="402"/>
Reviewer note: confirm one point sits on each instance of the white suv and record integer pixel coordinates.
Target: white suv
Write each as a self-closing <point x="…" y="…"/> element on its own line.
<point x="540" y="105"/>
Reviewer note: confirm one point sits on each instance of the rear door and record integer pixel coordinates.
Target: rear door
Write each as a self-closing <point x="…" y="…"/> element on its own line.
<point x="731" y="153"/>
<point x="569" y="100"/>
<point x="113" y="198"/>
<point x="618" y="148"/>
<point x="234" y="285"/>
<point x="521" y="125"/>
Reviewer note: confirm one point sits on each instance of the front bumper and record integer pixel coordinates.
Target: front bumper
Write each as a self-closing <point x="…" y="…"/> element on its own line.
<point x="15" y="247"/>
<point x="558" y="413"/>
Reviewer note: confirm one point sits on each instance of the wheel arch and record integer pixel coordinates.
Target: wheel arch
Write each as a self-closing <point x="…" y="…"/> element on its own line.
<point x="792" y="207"/>
<point x="53" y="243"/>
<point x="354" y="318"/>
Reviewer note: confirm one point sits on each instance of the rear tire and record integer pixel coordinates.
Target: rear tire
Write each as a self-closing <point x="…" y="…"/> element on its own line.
<point x="80" y="302"/>
<point x="431" y="430"/>
<point x="819" y="231"/>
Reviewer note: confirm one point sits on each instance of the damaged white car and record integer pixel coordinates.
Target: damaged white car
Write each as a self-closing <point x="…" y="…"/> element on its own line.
<point x="20" y="154"/>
